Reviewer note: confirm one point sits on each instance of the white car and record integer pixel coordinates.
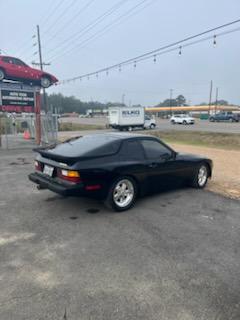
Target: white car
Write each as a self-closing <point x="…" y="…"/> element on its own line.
<point x="182" y="119"/>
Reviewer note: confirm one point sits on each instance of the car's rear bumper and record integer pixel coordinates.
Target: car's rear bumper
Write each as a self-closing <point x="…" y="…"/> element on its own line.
<point x="63" y="189"/>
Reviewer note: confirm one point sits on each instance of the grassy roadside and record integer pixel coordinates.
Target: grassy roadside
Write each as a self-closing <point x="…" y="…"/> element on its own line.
<point x="68" y="126"/>
<point x="228" y="141"/>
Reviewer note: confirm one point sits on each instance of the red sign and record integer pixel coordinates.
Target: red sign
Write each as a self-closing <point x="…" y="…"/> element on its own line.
<point x="17" y="109"/>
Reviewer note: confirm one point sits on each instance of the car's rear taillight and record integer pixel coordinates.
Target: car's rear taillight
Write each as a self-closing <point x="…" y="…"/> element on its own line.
<point x="38" y="166"/>
<point x="69" y="175"/>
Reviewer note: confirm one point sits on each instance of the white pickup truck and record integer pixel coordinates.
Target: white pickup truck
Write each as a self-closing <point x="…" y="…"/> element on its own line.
<point x="128" y="118"/>
<point x="182" y="119"/>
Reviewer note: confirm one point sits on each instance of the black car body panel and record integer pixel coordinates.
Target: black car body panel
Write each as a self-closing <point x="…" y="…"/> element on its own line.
<point x="111" y="156"/>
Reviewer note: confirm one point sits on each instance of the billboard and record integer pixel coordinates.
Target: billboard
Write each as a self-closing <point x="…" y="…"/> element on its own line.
<point x="17" y="98"/>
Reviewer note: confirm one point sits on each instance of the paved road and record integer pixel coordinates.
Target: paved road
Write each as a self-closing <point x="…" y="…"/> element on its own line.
<point x="163" y="125"/>
<point x="174" y="256"/>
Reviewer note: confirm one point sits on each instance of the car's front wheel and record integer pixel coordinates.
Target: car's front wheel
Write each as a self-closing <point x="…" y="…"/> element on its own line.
<point x="152" y="126"/>
<point x="122" y="194"/>
<point x="2" y="75"/>
<point x="45" y="82"/>
<point x="201" y="175"/>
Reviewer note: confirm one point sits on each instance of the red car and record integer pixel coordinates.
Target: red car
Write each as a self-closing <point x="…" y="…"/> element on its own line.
<point x="15" y="69"/>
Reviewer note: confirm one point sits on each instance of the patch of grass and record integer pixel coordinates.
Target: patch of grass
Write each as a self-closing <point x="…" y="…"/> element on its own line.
<point x="229" y="141"/>
<point x="68" y="126"/>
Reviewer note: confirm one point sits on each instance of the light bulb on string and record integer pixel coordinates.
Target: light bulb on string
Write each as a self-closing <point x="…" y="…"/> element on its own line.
<point x="107" y="72"/>
<point x="135" y="64"/>
<point x="154" y="59"/>
<point x="119" y="68"/>
<point x="214" y="41"/>
<point x="180" y="51"/>
<point x="96" y="75"/>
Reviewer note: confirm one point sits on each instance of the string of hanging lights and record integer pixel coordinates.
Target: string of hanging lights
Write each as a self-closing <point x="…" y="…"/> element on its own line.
<point x="176" y="46"/>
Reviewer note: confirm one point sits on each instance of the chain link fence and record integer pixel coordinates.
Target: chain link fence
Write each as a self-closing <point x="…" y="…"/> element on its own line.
<point x="19" y="131"/>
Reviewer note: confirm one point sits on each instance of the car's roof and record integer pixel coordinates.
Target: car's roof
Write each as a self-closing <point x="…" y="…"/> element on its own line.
<point x="4" y="56"/>
<point x="122" y="135"/>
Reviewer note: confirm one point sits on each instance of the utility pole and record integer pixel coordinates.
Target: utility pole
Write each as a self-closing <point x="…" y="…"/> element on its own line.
<point x="170" y="101"/>
<point x="39" y="47"/>
<point x="210" y="98"/>
<point x="216" y="102"/>
<point x="41" y="64"/>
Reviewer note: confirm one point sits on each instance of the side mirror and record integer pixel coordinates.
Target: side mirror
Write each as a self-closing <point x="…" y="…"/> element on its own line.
<point x="166" y="156"/>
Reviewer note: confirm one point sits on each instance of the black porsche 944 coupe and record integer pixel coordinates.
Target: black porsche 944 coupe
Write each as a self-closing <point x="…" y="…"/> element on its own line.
<point x="116" y="167"/>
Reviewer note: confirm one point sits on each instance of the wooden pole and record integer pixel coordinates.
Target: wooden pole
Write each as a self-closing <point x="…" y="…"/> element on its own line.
<point x="38" y="117"/>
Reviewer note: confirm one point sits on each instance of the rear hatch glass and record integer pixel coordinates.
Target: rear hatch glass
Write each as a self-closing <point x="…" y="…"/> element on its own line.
<point x="83" y="147"/>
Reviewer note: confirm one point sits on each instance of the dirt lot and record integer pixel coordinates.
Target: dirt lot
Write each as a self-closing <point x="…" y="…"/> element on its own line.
<point x="226" y="178"/>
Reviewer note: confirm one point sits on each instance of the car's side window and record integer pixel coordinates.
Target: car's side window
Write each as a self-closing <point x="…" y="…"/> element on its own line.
<point x="154" y="149"/>
<point x="18" y="62"/>
<point x="7" y="60"/>
<point x="131" y="150"/>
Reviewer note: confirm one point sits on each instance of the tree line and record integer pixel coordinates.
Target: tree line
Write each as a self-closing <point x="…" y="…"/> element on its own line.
<point x="69" y="104"/>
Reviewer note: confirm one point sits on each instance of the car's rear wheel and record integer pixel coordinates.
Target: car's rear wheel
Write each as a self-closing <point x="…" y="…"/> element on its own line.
<point x="185" y="122"/>
<point x="201" y="176"/>
<point x="152" y="126"/>
<point x="45" y="82"/>
<point x="122" y="194"/>
<point x="173" y="122"/>
<point x="2" y="74"/>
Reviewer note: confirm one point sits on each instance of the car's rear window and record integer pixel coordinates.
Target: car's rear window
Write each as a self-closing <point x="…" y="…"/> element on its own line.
<point x="88" y="146"/>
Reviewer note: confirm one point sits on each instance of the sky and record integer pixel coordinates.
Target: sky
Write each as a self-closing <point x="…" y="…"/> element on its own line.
<point x="75" y="43"/>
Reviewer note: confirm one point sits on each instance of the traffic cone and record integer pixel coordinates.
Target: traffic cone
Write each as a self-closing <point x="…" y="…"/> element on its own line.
<point x="26" y="135"/>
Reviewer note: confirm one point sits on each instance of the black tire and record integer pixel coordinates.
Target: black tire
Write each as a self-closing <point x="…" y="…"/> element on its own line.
<point x="2" y="74"/>
<point x="114" y="204"/>
<point x="45" y="82"/>
<point x="185" y="122"/>
<point x="152" y="126"/>
<point x="130" y="128"/>
<point x="211" y="120"/>
<point x="173" y="122"/>
<point x="196" y="182"/>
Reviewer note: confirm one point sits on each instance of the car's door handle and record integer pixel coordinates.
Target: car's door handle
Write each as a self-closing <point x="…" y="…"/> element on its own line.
<point x="153" y="165"/>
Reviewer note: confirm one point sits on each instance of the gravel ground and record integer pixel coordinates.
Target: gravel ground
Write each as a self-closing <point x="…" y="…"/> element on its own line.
<point x="226" y="170"/>
<point x="173" y="256"/>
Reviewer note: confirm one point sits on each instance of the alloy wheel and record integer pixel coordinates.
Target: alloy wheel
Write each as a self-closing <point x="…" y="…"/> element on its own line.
<point x="123" y="193"/>
<point x="202" y="176"/>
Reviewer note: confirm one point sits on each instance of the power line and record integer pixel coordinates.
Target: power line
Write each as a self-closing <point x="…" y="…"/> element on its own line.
<point x="68" y="22"/>
<point x="48" y="10"/>
<point x="65" y="10"/>
<point x="162" y="50"/>
<point x="87" y="28"/>
<point x="26" y="47"/>
<point x="51" y="12"/>
<point x="101" y="32"/>
<point x="103" y="29"/>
